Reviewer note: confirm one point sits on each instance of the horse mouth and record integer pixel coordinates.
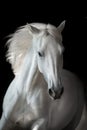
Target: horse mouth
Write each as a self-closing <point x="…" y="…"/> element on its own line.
<point x="56" y="95"/>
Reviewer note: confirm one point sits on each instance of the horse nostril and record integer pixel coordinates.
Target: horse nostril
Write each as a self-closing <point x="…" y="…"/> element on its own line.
<point x="51" y="92"/>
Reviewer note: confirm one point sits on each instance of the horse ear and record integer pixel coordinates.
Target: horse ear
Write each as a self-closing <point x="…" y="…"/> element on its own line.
<point x="33" y="30"/>
<point x="61" y="27"/>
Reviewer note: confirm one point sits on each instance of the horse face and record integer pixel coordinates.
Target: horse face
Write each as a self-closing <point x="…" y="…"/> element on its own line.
<point x="50" y="62"/>
<point x="48" y="48"/>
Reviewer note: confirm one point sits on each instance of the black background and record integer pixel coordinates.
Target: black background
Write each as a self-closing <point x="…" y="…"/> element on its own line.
<point x="74" y="38"/>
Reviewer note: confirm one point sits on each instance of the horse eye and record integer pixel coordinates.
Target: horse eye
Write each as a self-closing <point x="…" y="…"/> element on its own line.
<point x="40" y="54"/>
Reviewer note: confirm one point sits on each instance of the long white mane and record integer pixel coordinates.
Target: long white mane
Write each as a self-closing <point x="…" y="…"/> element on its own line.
<point x="21" y="41"/>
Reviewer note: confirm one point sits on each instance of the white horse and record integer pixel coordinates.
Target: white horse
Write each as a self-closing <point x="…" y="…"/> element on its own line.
<point x="42" y="96"/>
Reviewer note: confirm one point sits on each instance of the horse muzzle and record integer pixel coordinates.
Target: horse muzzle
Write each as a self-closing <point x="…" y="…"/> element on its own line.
<point x="56" y="94"/>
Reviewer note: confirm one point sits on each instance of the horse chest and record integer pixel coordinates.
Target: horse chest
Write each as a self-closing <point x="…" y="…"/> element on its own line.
<point x="28" y="108"/>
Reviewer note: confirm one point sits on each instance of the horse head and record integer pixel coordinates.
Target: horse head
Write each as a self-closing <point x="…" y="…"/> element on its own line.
<point x="48" y="48"/>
